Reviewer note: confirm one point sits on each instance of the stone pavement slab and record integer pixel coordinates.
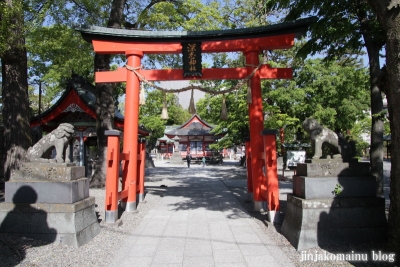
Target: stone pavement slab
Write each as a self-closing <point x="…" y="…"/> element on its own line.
<point x="198" y="222"/>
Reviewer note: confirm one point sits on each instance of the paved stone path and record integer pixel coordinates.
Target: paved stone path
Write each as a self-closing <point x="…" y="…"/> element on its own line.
<point x="198" y="222"/>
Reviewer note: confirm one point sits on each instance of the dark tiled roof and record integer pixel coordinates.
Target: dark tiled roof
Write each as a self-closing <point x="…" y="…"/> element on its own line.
<point x="194" y="128"/>
<point x="297" y="27"/>
<point x="86" y="92"/>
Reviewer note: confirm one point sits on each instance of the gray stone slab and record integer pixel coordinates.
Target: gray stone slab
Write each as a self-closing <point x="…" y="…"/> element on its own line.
<point x="197" y="247"/>
<point x="228" y="256"/>
<point x="75" y="225"/>
<point x="168" y="257"/>
<point x="48" y="172"/>
<point x="145" y="250"/>
<point x="323" y="187"/>
<point x="319" y="222"/>
<point x="254" y="249"/>
<point x="261" y="261"/>
<point x="206" y="261"/>
<point x="172" y="244"/>
<point x="137" y="259"/>
<point x="329" y="168"/>
<point x="224" y="244"/>
<point x="46" y="191"/>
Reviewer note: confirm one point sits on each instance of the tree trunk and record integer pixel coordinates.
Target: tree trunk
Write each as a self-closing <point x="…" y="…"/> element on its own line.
<point x="105" y="107"/>
<point x="373" y="45"/>
<point x="376" y="150"/>
<point x="389" y="18"/>
<point x="17" y="133"/>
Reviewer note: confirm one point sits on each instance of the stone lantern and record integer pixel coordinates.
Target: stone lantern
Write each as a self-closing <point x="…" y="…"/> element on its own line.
<point x="176" y="143"/>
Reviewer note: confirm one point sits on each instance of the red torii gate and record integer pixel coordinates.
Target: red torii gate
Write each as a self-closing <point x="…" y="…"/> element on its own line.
<point x="135" y="44"/>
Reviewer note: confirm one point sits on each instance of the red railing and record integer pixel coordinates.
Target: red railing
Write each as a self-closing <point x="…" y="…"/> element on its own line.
<point x="132" y="187"/>
<point x="269" y="186"/>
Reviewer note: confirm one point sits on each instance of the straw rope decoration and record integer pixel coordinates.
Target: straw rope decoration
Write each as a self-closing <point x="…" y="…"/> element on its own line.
<point x="192" y="87"/>
<point x="142" y="96"/>
<point x="164" y="112"/>
<point x="224" y="111"/>
<point x="192" y="108"/>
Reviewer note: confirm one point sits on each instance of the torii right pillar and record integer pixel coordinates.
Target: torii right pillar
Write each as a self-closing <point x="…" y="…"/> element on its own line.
<point x="256" y="118"/>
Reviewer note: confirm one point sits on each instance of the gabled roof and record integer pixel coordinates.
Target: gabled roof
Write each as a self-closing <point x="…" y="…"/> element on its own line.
<point x="165" y="139"/>
<point x="79" y="96"/>
<point x="193" y="126"/>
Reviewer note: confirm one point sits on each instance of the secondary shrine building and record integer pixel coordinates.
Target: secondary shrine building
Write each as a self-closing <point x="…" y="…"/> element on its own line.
<point x="77" y="107"/>
<point x="194" y="135"/>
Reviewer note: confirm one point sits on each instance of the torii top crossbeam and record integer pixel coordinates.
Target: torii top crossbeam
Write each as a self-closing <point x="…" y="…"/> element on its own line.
<point x="118" y="41"/>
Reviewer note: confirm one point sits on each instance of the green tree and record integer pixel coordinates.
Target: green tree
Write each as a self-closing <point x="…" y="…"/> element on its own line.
<point x="345" y="28"/>
<point x="387" y="12"/>
<point x="67" y="52"/>
<point x="15" y="106"/>
<point x="45" y="101"/>
<point x="360" y="130"/>
<point x="335" y="94"/>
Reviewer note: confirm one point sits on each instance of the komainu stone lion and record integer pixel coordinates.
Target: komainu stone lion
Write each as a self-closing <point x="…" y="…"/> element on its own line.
<point x="59" y="138"/>
<point x="320" y="135"/>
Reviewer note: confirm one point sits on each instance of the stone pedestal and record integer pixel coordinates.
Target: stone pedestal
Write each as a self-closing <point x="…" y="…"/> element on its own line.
<point x="67" y="224"/>
<point x="50" y="202"/>
<point x="324" y="187"/>
<point x="47" y="192"/>
<point x="332" y="168"/>
<point x="333" y="203"/>
<point x="324" y="222"/>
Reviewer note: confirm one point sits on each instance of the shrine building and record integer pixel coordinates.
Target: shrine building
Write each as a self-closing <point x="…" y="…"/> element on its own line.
<point x="194" y="135"/>
<point x="77" y="107"/>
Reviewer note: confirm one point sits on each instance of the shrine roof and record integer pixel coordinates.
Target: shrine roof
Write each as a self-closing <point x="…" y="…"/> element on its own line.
<point x="297" y="27"/>
<point x="85" y="91"/>
<point x="193" y="126"/>
<point x="81" y="94"/>
<point x="166" y="139"/>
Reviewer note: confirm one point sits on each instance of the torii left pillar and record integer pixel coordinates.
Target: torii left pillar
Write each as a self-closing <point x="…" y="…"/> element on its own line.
<point x="256" y="121"/>
<point x="131" y="132"/>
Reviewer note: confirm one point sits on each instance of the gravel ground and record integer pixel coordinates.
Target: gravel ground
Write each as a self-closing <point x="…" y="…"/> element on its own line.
<point x="21" y="251"/>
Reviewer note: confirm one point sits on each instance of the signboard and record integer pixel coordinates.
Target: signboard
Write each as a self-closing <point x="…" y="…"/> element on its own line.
<point x="191" y="54"/>
<point x="294" y="157"/>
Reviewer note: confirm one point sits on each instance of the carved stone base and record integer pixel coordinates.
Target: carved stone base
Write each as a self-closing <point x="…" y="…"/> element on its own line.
<point x="67" y="224"/>
<point x="34" y="171"/>
<point x="323" y="222"/>
<point x="324" y="187"/>
<point x="332" y="168"/>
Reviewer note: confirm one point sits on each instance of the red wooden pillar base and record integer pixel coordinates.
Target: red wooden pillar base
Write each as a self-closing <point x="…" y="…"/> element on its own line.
<point x="248" y="167"/>
<point x="112" y="175"/>
<point x="271" y="170"/>
<point x="141" y="169"/>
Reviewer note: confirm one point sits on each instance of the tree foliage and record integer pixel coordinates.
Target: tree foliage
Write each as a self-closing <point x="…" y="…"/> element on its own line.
<point x="55" y="52"/>
<point x="344" y="28"/>
<point x="334" y="94"/>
